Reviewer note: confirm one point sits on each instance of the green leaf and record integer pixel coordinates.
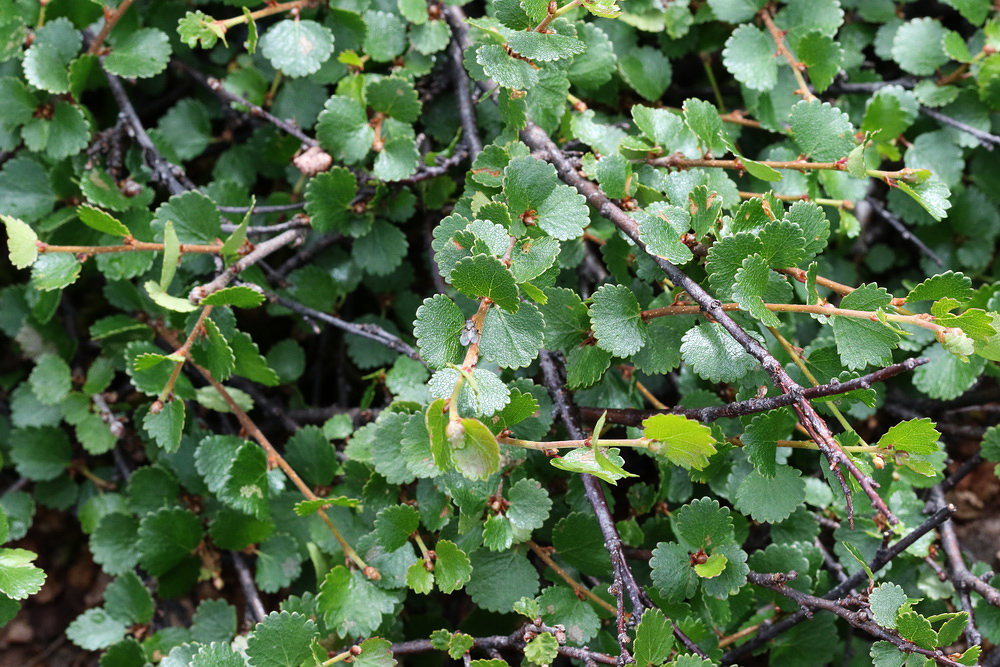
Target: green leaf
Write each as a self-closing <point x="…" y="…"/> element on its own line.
<point x="127" y="600"/>
<point x="22" y="242"/>
<point x="916" y="628"/>
<point x="166" y="537"/>
<point x="545" y="47"/>
<point x="214" y="353"/>
<point x="198" y="28"/>
<point x="654" y="639"/>
<point x="438" y="328"/>
<point x="822" y="55"/>
<point x="297" y="47"/>
<point x="542" y="650"/>
<point x="166" y="426"/>
<point x="51" y="379"/>
<point x="394" y="524"/>
<point x="40" y="453"/>
<point x="862" y="342"/>
<point x="18" y="577"/>
<point x="103" y="222"/>
<point x="65" y="133"/>
<point x="712" y="567"/>
<point x="281" y="640"/>
<point x="452" y="569"/>
<point x="917" y="48"/>
<point x="703" y="523"/>
<point x="397" y="160"/>
<point x="419" y="579"/>
<point x="386" y="36"/>
<point x="761" y="436"/>
<point x="735" y="11"/>
<point x="499" y="579"/>
<point x="512" y="340"/>
<point x="751" y="283"/>
<point x="375" y="653"/>
<point x="395" y="97"/>
<point x="773" y="499"/>
<point x="214" y="621"/>
<point x="166" y="301"/>
<point x="683" y="441"/>
<point x="507" y="71"/>
<point x="328" y="198"/>
<point x="113" y="543"/>
<point x="615" y="317"/>
<point x="672" y="573"/>
<point x="714" y="355"/>
<point x="498" y="534"/>
<point x="486" y="276"/>
<point x="534" y="192"/>
<point x="239" y="297"/>
<point x="885" y="601"/>
<point x="661" y="228"/>
<point x="474" y="449"/>
<point x="139" y="55"/>
<point x="47" y="60"/>
<point x="892" y="110"/>
<point x="949" y="284"/>
<point x="95" y="629"/>
<point x="917" y="436"/>
<point x="351" y="604"/>
<point x="751" y="58"/>
<point x="606" y="465"/>
<point x="823" y="132"/>
<point x="25" y="193"/>
<point x="932" y="196"/>
<point x="702" y="118"/>
<point x="647" y="71"/>
<point x="342" y="128"/>
<point x="307" y="507"/>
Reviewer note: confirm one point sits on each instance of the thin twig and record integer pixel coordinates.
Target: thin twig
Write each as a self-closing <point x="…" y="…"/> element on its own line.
<point x="291" y="237"/>
<point x="986" y="140"/>
<point x="960" y="575"/>
<point x="254" y="603"/>
<point x="466" y="110"/>
<point x="369" y="331"/>
<point x="577" y="587"/>
<point x="903" y="230"/>
<point x="111" y="17"/>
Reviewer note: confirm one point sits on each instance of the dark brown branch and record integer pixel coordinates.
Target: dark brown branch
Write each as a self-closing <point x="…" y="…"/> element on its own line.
<point x="170" y="175"/>
<point x="882" y="557"/>
<point x="903" y="231"/>
<point x="369" y="331"/>
<point x="466" y="110"/>
<point x="860" y="619"/>
<point x="254" y="603"/>
<point x="631" y="417"/>
<point x="986" y="140"/>
<point x="538" y="140"/>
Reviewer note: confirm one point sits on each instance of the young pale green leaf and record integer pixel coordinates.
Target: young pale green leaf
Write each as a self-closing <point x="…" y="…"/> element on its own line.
<point x="486" y="276"/>
<point x="712" y="567"/>
<point x="917" y="436"/>
<point x="19" y="578"/>
<point x="606" y="465"/>
<point x="615" y="317"/>
<point x="932" y="195"/>
<point x="198" y="28"/>
<point x="297" y="47"/>
<point x="916" y="628"/>
<point x="474" y="449"/>
<point x="22" y="242"/>
<point x="683" y="441"/>
<point x="542" y="650"/>
<point x="751" y="58"/>
<point x="140" y="54"/>
<point x="166" y="301"/>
